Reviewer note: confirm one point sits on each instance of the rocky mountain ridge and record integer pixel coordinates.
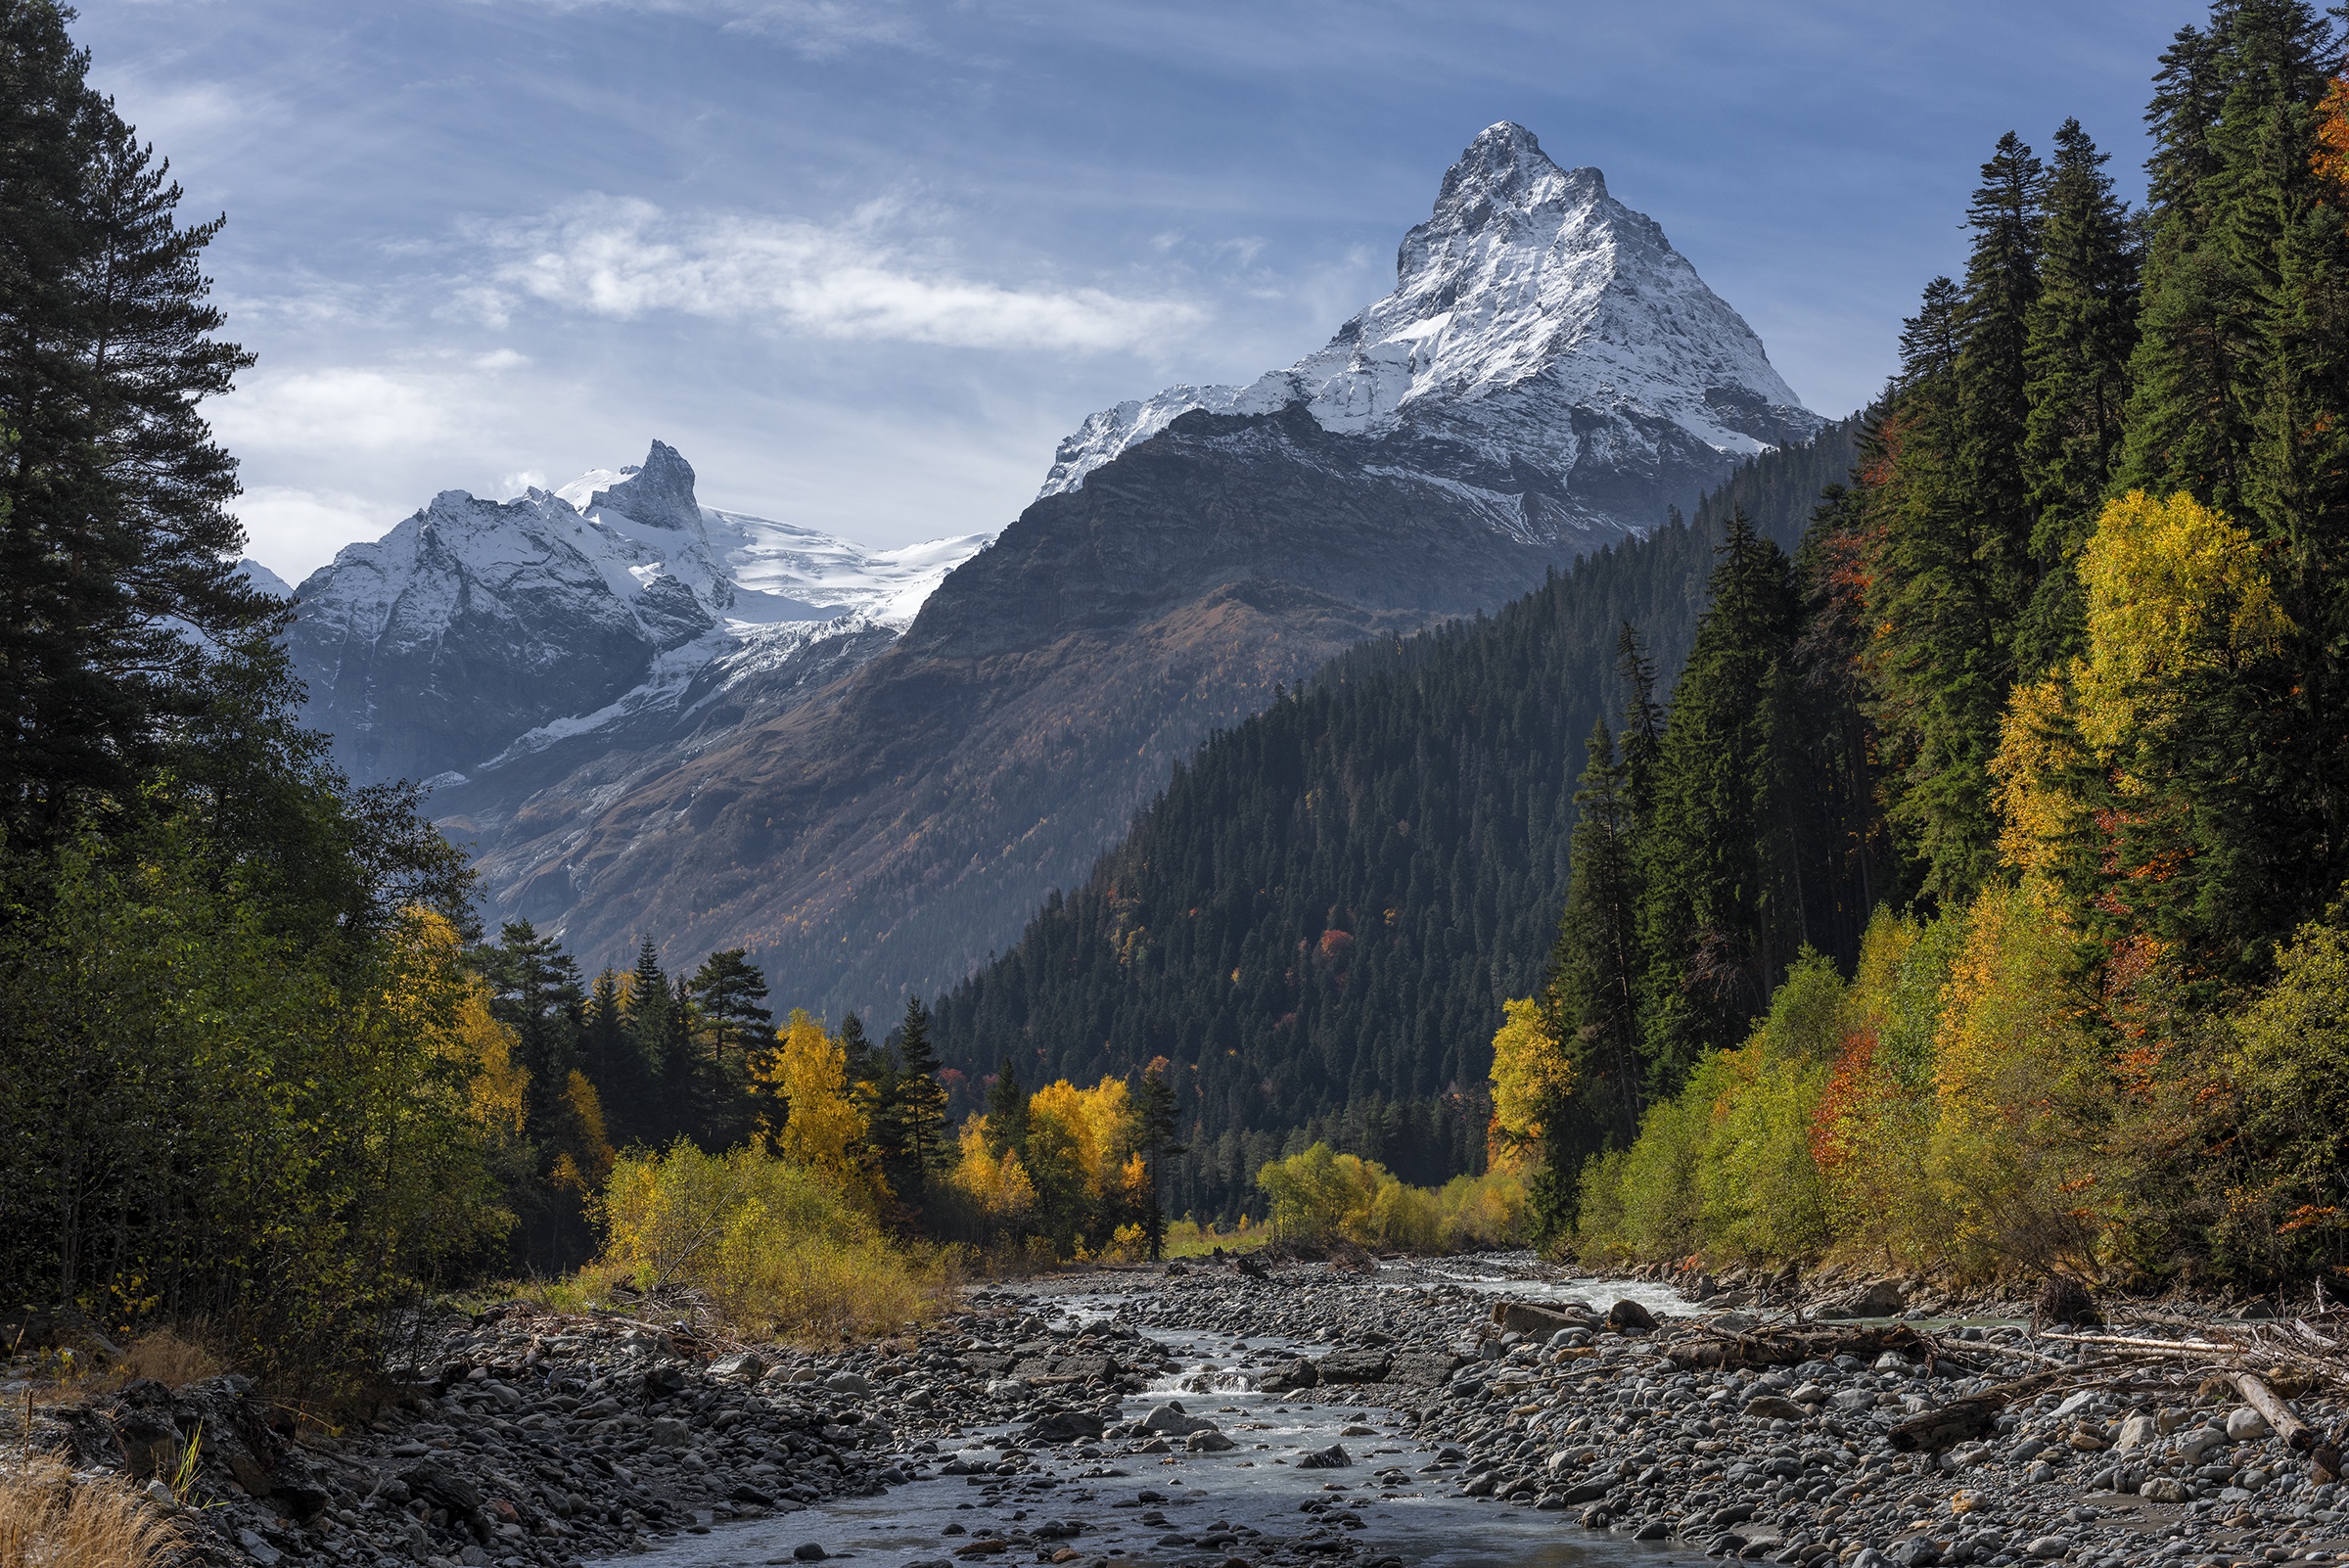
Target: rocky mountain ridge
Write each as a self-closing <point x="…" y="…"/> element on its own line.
<point x="640" y="724"/>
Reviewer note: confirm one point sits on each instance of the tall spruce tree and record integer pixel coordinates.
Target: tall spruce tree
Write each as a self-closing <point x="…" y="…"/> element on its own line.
<point x="1161" y="1123"/>
<point x="2082" y="333"/>
<point x="1591" y="1000"/>
<point x="920" y="1109"/>
<point x="1719" y="916"/>
<point x="1953" y="566"/>
<point x="115" y="533"/>
<point x="535" y="991"/>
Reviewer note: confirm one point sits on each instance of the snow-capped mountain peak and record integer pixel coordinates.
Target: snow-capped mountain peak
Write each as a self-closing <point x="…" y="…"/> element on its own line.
<point x="1529" y="301"/>
<point x="602" y="598"/>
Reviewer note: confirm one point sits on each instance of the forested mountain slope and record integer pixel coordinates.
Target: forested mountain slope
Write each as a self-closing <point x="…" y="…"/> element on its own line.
<point x="1318" y="920"/>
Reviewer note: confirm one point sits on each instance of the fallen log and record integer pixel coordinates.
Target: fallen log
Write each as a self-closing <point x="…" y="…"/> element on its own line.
<point x="1946" y="1425"/>
<point x="2279" y="1413"/>
<point x="2191" y="1347"/>
<point x="1792" y="1346"/>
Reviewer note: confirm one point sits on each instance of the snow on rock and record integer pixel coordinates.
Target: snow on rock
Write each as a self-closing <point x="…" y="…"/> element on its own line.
<point x="1528" y="302"/>
<point x="477" y="630"/>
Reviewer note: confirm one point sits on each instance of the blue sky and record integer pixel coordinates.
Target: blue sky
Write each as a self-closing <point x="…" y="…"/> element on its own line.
<point x="865" y="263"/>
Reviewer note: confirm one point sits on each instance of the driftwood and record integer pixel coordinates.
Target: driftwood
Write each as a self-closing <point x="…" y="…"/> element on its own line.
<point x="1772" y="1347"/>
<point x="1945" y="1426"/>
<point x="2176" y="1346"/>
<point x="2296" y="1433"/>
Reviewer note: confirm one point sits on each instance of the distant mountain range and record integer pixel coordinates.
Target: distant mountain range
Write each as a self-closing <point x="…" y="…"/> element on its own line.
<point x="648" y="717"/>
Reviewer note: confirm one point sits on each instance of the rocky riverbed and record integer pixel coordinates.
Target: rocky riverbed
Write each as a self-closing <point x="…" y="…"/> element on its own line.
<point x="1225" y="1418"/>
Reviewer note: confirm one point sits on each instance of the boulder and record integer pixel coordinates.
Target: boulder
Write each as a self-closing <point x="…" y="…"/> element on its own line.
<point x="1067" y="1426"/>
<point x="1538" y="1319"/>
<point x="1881" y="1299"/>
<point x="1628" y="1316"/>
<point x="2247" y="1425"/>
<point x="1423" y="1369"/>
<point x="1333" y="1457"/>
<point x="742" y="1365"/>
<point x="1354" y="1367"/>
<point x="1207" y="1439"/>
<point x="848" y="1383"/>
<point x="1772" y="1407"/>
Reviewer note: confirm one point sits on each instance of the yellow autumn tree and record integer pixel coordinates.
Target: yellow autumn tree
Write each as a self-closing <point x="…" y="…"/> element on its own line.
<point x="1078" y="1142"/>
<point x="995" y="1186"/>
<point x="2178" y="601"/>
<point x="1530" y="1075"/>
<point x="814" y="1122"/>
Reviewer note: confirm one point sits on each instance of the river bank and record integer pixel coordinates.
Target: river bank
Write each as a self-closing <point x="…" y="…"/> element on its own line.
<point x="1231" y="1414"/>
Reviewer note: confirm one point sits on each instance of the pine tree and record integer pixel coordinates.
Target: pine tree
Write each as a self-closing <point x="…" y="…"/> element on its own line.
<point x="648" y="1010"/>
<point x="604" y="1039"/>
<point x="114" y="526"/>
<point x="1643" y="722"/>
<point x="2082" y="333"/>
<point x="728" y="993"/>
<point x="920" y="1107"/>
<point x="1951" y="566"/>
<point x="1590" y="1001"/>
<point x="535" y="991"/>
<point x="1160" y="1124"/>
<point x="1720" y="914"/>
<point x="1006" y="1111"/>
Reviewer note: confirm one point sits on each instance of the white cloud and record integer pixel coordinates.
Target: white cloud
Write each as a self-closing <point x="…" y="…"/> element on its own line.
<point x="294" y="531"/>
<point x="624" y="259"/>
<point x="336" y="409"/>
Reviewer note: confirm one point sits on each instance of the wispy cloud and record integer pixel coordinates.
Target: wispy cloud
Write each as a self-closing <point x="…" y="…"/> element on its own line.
<point x="818" y="30"/>
<point x="625" y="258"/>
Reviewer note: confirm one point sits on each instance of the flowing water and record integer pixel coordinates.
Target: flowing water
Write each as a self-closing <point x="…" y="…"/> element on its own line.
<point x="1184" y="1509"/>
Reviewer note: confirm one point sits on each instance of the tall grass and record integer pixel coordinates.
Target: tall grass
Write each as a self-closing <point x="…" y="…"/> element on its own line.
<point x="778" y="1247"/>
<point x="48" y="1520"/>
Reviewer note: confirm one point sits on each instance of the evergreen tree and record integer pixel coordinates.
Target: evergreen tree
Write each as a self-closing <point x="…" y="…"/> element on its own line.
<point x="2231" y="116"/>
<point x="2082" y="332"/>
<point x="920" y="1105"/>
<point x="115" y="533"/>
<point x="856" y="1047"/>
<point x="682" y="1063"/>
<point x="1643" y="722"/>
<point x="604" y="1038"/>
<point x="1591" y="1000"/>
<point x="1718" y="913"/>
<point x="1006" y="1111"/>
<point x="1952" y="567"/>
<point x="1160" y="1124"/>
<point x="728" y="993"/>
<point x="535" y="991"/>
<point x="648" y="1009"/>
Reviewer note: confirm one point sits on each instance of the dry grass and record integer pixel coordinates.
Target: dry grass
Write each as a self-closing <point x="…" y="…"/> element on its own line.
<point x="170" y="1357"/>
<point x="49" y="1520"/>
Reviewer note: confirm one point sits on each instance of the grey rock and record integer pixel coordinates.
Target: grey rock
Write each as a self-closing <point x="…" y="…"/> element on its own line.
<point x="2247" y="1425"/>
<point x="742" y="1365"/>
<point x="1207" y="1439"/>
<point x="848" y="1383"/>
<point x="2048" y="1548"/>
<point x="1333" y="1457"/>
